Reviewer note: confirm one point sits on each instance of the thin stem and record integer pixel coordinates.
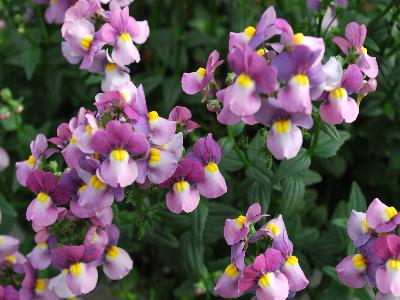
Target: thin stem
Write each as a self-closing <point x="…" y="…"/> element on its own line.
<point x="315" y="137"/>
<point x="238" y="151"/>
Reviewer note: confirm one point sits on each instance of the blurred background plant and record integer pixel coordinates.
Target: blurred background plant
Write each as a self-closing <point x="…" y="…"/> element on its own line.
<point x="181" y="256"/>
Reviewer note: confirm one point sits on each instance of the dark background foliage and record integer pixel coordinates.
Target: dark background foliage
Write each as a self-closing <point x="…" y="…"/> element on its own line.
<point x="181" y="256"/>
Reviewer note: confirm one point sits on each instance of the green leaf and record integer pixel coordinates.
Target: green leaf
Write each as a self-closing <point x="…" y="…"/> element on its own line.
<point x="30" y="59"/>
<point x="310" y="177"/>
<point x="328" y="146"/>
<point x="162" y="238"/>
<point x="237" y="129"/>
<point x="171" y="91"/>
<point x="362" y="294"/>
<point x="230" y="161"/>
<point x="6" y="208"/>
<point x="340" y="222"/>
<point x="357" y="199"/>
<point x="260" y="193"/>
<point x="293" y="190"/>
<point x="293" y="166"/>
<point x="331" y="131"/>
<point x="331" y="272"/>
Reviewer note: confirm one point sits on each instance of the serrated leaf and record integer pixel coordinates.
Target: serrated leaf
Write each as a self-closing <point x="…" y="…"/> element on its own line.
<point x="260" y="193"/>
<point x="293" y="190"/>
<point x="331" y="131"/>
<point x="357" y="199"/>
<point x="310" y="177"/>
<point x="293" y="166"/>
<point x="328" y="146"/>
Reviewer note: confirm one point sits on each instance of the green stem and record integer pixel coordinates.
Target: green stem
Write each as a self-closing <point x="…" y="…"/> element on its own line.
<point x="383" y="12"/>
<point x="42" y="24"/>
<point x="315" y="137"/>
<point x="238" y="151"/>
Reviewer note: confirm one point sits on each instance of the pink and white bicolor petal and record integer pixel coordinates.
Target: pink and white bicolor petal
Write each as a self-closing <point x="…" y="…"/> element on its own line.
<point x="213" y="185"/>
<point x="117" y="263"/>
<point x="352" y="271"/>
<point x="242" y="97"/>
<point x="388" y="278"/>
<point x="83" y="280"/>
<point x="339" y="108"/>
<point x="275" y="286"/>
<point x="119" y="170"/>
<point x="295" y="275"/>
<point x="59" y="285"/>
<point x="228" y="285"/>
<point x="284" y="143"/>
<point x="357" y="225"/>
<point x="379" y="216"/>
<point x="183" y="198"/>
<point x="42" y="212"/>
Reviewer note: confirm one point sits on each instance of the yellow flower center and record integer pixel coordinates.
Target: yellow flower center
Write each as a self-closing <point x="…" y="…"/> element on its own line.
<point x="359" y="261"/>
<point x="298" y="38"/>
<point x="31" y="161"/>
<point x="86" y="42"/>
<point x="126" y="37"/>
<point x="12" y="259"/>
<point x="273" y="228"/>
<point x="394" y="264"/>
<point x="292" y="260"/>
<point x="53" y="2"/>
<point x="365" y="224"/>
<point x="82" y="188"/>
<point x="182" y="186"/>
<point x="120" y="154"/>
<point x="244" y="81"/>
<point x="201" y="72"/>
<point x="40" y="285"/>
<point x="110" y="67"/>
<point x="76" y="269"/>
<point x="231" y="271"/>
<point x="261" y="51"/>
<point x="391" y="212"/>
<point x="73" y="140"/>
<point x="42" y="245"/>
<point x="241" y="220"/>
<point x="212" y="167"/>
<point x="42" y="197"/>
<point x="112" y="252"/>
<point x="364" y="50"/>
<point x="339" y="93"/>
<point x="89" y="129"/>
<point x="250" y="31"/>
<point x="96" y="183"/>
<point x="265" y="280"/>
<point x="282" y="126"/>
<point x="153" y="116"/>
<point x="1" y="241"/>
<point x="302" y="79"/>
<point x="96" y="156"/>
<point x="155" y="156"/>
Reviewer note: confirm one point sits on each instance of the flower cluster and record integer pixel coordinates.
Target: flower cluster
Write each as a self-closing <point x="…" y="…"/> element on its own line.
<point x="275" y="274"/>
<point x="119" y="147"/>
<point x="377" y="261"/>
<point x="276" y="83"/>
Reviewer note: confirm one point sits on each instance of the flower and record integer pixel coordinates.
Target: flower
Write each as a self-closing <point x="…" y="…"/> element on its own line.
<point x="388" y="275"/>
<point x="340" y="107"/>
<point x="254" y="77"/>
<point x="33" y="287"/>
<point x="8" y="292"/>
<point x="235" y="230"/>
<point x="117" y="262"/>
<point x="228" y="284"/>
<point x="114" y="76"/>
<point x="39" y="150"/>
<point x="264" y="277"/>
<point x="194" y="82"/>
<point x="118" y="143"/>
<point x="291" y="268"/>
<point x="253" y="37"/>
<point x="55" y="12"/>
<point x="40" y="256"/>
<point x="284" y="138"/>
<point x="114" y="4"/>
<point x="184" y="196"/>
<point x="76" y="260"/>
<point x="382" y="218"/>
<point x="358" y="228"/>
<point x="43" y="210"/>
<point x="121" y="31"/>
<point x="4" y="159"/>
<point x="182" y="116"/>
<point x="355" y="35"/>
<point x="8" y="245"/>
<point x="208" y="153"/>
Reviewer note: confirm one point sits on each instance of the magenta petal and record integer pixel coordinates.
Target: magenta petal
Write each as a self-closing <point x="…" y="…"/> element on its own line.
<point x="295" y="276"/>
<point x="83" y="283"/>
<point x="376" y="214"/>
<point x="234" y="232"/>
<point x="370" y="68"/>
<point x="342" y="43"/>
<point x="191" y="83"/>
<point x="356" y="34"/>
<point x="227" y="286"/>
<point x="162" y="131"/>
<point x="243" y="101"/>
<point x="40" y="257"/>
<point x="143" y="32"/>
<point x="351" y="275"/>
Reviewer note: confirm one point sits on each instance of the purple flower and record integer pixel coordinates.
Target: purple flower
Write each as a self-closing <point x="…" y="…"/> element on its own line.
<point x="355" y="35"/>
<point x="58" y="284"/>
<point x="339" y="107"/>
<point x="291" y="268"/>
<point x="161" y="131"/>
<point x="182" y="116"/>
<point x="254" y="77"/>
<point x="118" y="143"/>
<point x="264" y="277"/>
<point x="40" y="256"/>
<point x="39" y="150"/>
<point x="303" y="74"/>
<point x="43" y="210"/>
<point x="316" y="4"/>
<point x="117" y="262"/>
<point x="273" y="228"/>
<point x="33" y="287"/>
<point x="4" y="160"/>
<point x="121" y="31"/>
<point x="96" y="236"/>
<point x="84" y="132"/>
<point x="55" y="12"/>
<point x="388" y="275"/>
<point x="77" y="260"/>
<point x="253" y="37"/>
<point x="161" y="161"/>
<point x="114" y="4"/>
<point x="382" y="218"/>
<point x="8" y="292"/>
<point x="284" y="139"/>
<point x="358" y="228"/>
<point x="184" y="196"/>
<point x="8" y="245"/>
<point x="208" y="153"/>
<point x="15" y="261"/>
<point x="114" y="76"/>
<point x="228" y="284"/>
<point x="194" y="82"/>
<point x="236" y="230"/>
